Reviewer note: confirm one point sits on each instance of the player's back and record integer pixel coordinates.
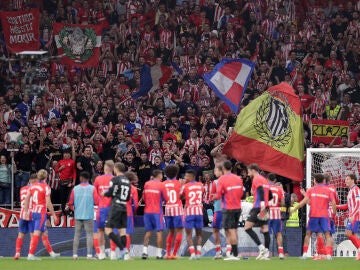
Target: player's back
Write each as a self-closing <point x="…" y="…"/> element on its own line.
<point x="331" y="212"/>
<point x="23" y="193"/>
<point x="173" y="206"/>
<point x="231" y="188"/>
<point x="320" y="196"/>
<point x="39" y="191"/>
<point x="275" y="203"/>
<point x="193" y="193"/>
<point x="258" y="182"/>
<point x="217" y="203"/>
<point x="101" y="185"/>
<point x="153" y="196"/>
<point x="133" y="203"/>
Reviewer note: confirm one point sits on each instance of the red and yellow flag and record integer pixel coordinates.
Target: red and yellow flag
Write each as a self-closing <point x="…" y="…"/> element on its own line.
<point x="269" y="132"/>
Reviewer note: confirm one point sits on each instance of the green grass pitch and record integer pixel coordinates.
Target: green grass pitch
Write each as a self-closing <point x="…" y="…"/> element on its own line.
<point x="66" y="263"/>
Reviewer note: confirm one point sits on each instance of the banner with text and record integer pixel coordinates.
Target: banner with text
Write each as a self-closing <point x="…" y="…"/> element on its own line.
<point x="324" y="131"/>
<point x="21" y="30"/>
<point x="10" y="219"/>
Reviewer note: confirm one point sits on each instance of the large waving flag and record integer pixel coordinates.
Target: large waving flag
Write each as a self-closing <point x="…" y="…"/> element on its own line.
<point x="269" y="132"/>
<point x="229" y="80"/>
<point x="151" y="78"/>
<point x="78" y="45"/>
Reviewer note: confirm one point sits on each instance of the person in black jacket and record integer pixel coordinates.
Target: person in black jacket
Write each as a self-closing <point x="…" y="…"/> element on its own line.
<point x="119" y="191"/>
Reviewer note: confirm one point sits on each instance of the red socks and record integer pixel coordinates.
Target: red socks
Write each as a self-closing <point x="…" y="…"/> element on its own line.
<point x="169" y="240"/>
<point x="33" y="244"/>
<point x="320" y="247"/>
<point x="305" y="249"/>
<point x="113" y="246"/>
<point x="192" y="250"/>
<point x="356" y="241"/>
<point x="46" y="243"/>
<point x="19" y="242"/>
<point x="128" y="242"/>
<point x="177" y="243"/>
<point x="281" y="250"/>
<point x="96" y="245"/>
<point x="329" y="250"/>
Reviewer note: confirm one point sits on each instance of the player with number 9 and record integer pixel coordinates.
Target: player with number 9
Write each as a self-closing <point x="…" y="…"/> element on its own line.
<point x="193" y="193"/>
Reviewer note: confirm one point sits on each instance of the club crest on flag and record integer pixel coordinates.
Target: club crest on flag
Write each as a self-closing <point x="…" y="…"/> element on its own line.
<point x="272" y="121"/>
<point x="269" y="132"/>
<point x="77" y="43"/>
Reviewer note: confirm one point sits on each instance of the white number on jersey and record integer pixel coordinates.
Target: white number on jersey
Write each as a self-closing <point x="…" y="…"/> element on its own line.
<point x="275" y="200"/>
<point x="172" y="196"/>
<point x="35" y="197"/>
<point x="195" y="197"/>
<point x="124" y="192"/>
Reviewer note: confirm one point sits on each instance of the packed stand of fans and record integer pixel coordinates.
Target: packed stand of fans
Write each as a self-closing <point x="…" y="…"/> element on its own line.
<point x="88" y="115"/>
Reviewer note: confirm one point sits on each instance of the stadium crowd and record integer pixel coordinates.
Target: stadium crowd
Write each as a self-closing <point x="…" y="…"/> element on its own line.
<point x="84" y="117"/>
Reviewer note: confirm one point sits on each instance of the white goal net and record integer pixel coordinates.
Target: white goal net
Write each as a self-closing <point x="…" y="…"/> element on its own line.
<point x="336" y="162"/>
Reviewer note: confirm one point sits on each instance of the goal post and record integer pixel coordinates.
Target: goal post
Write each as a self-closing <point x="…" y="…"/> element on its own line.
<point x="337" y="163"/>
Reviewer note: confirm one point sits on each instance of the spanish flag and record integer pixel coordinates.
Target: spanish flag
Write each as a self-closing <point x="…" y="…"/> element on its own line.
<point x="269" y="132"/>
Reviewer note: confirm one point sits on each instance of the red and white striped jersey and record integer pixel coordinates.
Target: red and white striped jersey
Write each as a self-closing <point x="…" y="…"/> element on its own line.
<point x="39" y="120"/>
<point x="208" y="192"/>
<point x="174" y="205"/>
<point x="154" y="153"/>
<point x="149" y="37"/>
<point x="268" y="27"/>
<point x="39" y="191"/>
<point x="148" y="120"/>
<point x="23" y="192"/>
<point x="318" y="105"/>
<point x="53" y="179"/>
<point x="193" y="193"/>
<point x="218" y="13"/>
<point x="167" y="37"/>
<point x="285" y="50"/>
<point x="122" y="66"/>
<point x="18" y="4"/>
<point x="196" y="142"/>
<point x="353" y="202"/>
<point x="275" y="202"/>
<point x="131" y="8"/>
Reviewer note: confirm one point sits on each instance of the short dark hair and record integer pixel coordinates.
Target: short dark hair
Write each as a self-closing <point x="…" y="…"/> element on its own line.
<point x="319" y="178"/>
<point x="155" y="173"/>
<point x="253" y="167"/>
<point x="171" y="171"/>
<point x="192" y="172"/>
<point x="120" y="167"/>
<point x="85" y="175"/>
<point x="352" y="177"/>
<point x="271" y="177"/>
<point x="227" y="165"/>
<point x="130" y="175"/>
<point x="327" y="177"/>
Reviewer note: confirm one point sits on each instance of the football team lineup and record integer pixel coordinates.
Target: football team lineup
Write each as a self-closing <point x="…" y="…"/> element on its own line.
<point x="116" y="200"/>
